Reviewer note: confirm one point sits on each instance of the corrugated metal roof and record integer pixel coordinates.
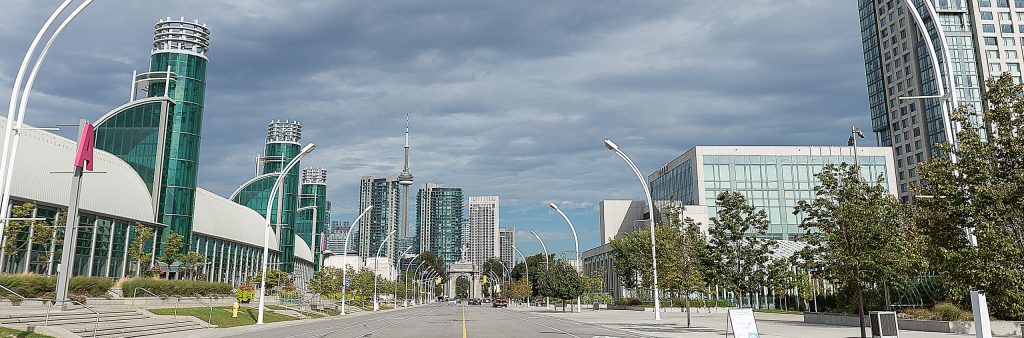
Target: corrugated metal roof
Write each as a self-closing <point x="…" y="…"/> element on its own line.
<point x="119" y="191"/>
<point x="220" y="217"/>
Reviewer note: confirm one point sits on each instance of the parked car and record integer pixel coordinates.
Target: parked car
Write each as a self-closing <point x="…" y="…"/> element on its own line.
<point x="487" y="300"/>
<point x="500" y="302"/>
<point x="474" y="301"/>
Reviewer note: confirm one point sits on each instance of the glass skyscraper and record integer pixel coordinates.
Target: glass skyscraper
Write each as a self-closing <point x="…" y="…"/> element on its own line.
<point x="159" y="135"/>
<point x="281" y="147"/>
<point x="314" y="197"/>
<point x="772" y="178"/>
<point x="979" y="38"/>
<point x="383" y="194"/>
<point x="439" y="214"/>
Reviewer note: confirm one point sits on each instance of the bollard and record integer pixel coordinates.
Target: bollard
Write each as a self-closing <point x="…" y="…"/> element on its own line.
<point x="234" y="310"/>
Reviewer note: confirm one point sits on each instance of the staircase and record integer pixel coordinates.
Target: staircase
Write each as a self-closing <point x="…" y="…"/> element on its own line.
<point x="115" y="323"/>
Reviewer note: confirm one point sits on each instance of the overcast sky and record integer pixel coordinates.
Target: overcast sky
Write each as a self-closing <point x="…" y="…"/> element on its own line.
<point x="508" y="98"/>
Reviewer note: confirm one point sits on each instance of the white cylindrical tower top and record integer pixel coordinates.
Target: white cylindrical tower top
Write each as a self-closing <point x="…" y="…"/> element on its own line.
<point x="284" y="131"/>
<point x="314" y="176"/>
<point x="180" y="36"/>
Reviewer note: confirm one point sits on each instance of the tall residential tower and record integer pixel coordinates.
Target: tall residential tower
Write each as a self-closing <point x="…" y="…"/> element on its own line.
<point x="910" y="90"/>
<point x="482" y="240"/>
<point x="439" y="216"/>
<point x="383" y="194"/>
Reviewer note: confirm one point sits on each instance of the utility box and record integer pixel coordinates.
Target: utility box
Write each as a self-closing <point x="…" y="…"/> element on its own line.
<point x="883" y="324"/>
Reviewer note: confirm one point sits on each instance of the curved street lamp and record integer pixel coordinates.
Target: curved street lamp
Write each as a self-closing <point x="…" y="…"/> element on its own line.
<point x="650" y="206"/>
<point x="397" y="270"/>
<point x="266" y="232"/>
<point x="376" y="259"/>
<point x="10" y="147"/>
<point x="547" y="263"/>
<point x="579" y="300"/>
<point x="344" y="267"/>
<point x="526" y="264"/>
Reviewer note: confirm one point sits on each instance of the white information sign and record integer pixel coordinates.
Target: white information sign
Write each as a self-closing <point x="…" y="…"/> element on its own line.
<point x="741" y="321"/>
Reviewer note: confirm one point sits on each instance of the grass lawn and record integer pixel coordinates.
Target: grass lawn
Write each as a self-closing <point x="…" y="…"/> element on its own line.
<point x="222" y="315"/>
<point x="779" y="311"/>
<point x="12" y="333"/>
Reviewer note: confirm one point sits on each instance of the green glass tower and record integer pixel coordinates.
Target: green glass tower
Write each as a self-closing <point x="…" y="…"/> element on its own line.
<point x="282" y="146"/>
<point x="159" y="134"/>
<point x="313" y="220"/>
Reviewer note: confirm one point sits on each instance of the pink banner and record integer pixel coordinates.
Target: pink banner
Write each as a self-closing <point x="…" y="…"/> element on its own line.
<point x="83" y="158"/>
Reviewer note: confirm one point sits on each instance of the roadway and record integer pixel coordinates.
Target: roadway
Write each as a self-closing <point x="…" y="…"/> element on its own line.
<point x="441" y="320"/>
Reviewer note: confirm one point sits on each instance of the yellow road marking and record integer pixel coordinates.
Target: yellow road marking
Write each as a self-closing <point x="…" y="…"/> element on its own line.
<point x="463" y="321"/>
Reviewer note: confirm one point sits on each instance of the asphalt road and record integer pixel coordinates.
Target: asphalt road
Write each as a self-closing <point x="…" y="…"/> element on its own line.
<point x="442" y="320"/>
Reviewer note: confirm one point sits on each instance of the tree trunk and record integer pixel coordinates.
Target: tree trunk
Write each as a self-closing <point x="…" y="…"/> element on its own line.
<point x="860" y="309"/>
<point x="888" y="301"/>
<point x="687" y="300"/>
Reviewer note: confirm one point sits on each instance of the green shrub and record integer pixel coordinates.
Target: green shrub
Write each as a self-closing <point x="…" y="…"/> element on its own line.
<point x="941" y="311"/>
<point x="628" y="302"/>
<point x="173" y="288"/>
<point x="38" y="286"/>
<point x="950" y="312"/>
<point x="90" y="286"/>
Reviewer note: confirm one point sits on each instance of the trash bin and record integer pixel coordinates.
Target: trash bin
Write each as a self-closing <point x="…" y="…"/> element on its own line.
<point x="597" y="306"/>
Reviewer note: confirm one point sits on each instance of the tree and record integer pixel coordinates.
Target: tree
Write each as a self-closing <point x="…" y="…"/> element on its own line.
<point x="520" y="289"/>
<point x="739" y="243"/>
<point x="12" y="244"/>
<point x="462" y="287"/>
<point x="535" y="264"/>
<point x="189" y="262"/>
<point x="275" y="278"/>
<point x="982" y="191"/>
<point x="139" y="248"/>
<point x="781" y="278"/>
<point x="561" y="281"/>
<point x="172" y="250"/>
<point x="858" y="232"/>
<point x="326" y="281"/>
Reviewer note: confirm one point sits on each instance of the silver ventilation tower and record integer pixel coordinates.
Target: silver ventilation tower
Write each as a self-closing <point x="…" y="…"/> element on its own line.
<point x="405" y="179"/>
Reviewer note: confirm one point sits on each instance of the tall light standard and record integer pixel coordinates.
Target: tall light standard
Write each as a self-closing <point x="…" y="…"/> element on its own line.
<point x="579" y="300"/>
<point x="979" y="306"/>
<point x="344" y="267"/>
<point x="546" y="262"/>
<point x="650" y="206"/>
<point x="415" y="273"/>
<point x="376" y="259"/>
<point x="266" y="232"/>
<point x="10" y="147"/>
<point x="526" y="264"/>
<point x="397" y="270"/>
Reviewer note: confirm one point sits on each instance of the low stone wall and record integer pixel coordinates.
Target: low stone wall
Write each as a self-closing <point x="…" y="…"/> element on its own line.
<point x="999" y="328"/>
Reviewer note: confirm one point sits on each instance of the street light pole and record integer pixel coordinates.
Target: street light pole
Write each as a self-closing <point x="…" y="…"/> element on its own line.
<point x="547" y="263"/>
<point x="397" y="270"/>
<point x="579" y="300"/>
<point x="266" y="232"/>
<point x="376" y="259"/>
<point x="650" y="206"/>
<point x="344" y="265"/>
<point x="526" y="264"/>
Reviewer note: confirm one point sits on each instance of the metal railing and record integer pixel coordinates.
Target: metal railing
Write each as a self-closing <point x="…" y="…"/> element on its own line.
<point x="11" y="291"/>
<point x="210" y="321"/>
<point x="136" y="292"/>
<point x="95" y="326"/>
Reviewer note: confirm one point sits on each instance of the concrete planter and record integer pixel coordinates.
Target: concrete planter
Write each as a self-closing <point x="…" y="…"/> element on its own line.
<point x="999" y="328"/>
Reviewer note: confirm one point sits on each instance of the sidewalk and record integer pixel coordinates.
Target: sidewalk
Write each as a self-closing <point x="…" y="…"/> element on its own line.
<point x="703" y="324"/>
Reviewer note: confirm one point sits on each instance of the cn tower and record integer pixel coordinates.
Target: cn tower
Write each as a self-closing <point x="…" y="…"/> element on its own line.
<point x="405" y="179"/>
